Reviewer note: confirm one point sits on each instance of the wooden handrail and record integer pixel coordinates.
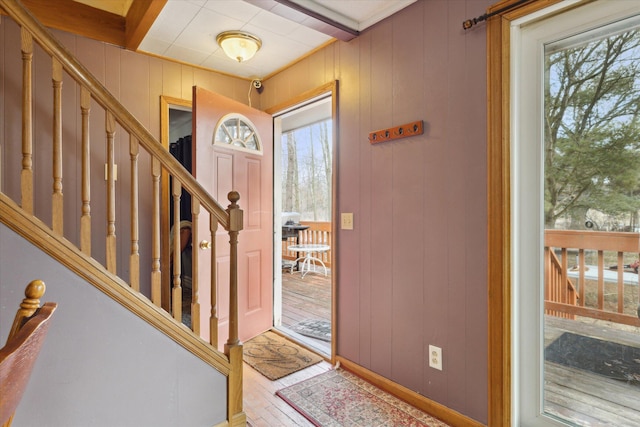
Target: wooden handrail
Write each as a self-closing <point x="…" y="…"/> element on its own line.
<point x="81" y="75"/>
<point x="581" y="242"/>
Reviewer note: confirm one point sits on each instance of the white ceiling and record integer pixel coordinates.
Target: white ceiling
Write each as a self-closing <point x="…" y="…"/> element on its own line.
<point x="186" y="30"/>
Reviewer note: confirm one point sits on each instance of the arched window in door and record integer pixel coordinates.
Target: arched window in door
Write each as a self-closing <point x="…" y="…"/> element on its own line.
<point x="236" y="131"/>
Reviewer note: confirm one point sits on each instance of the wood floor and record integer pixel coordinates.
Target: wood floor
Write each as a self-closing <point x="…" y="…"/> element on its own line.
<point x="303" y="298"/>
<point x="585" y="398"/>
<point x="264" y="408"/>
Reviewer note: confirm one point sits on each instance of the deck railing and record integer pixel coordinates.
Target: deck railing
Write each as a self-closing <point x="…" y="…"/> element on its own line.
<point x="317" y="233"/>
<point x="588" y="276"/>
<point x="101" y="112"/>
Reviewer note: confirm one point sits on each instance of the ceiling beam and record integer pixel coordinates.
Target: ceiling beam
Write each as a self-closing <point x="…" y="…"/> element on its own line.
<point x="307" y="17"/>
<point x="77" y="18"/>
<point x="140" y="18"/>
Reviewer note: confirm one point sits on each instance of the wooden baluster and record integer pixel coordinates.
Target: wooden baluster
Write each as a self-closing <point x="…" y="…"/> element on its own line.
<point x="548" y="275"/>
<point x="235" y="225"/>
<point x="620" y="282"/>
<point x="29" y="304"/>
<point x="57" y="210"/>
<point x="564" y="278"/>
<point x="581" y="283"/>
<point x="26" y="178"/>
<point x="195" y="299"/>
<point x="600" y="280"/>
<point x="134" y="259"/>
<point x="213" y="315"/>
<point x="111" y="194"/>
<point x="156" y="275"/>
<point x="85" y="219"/>
<point x="176" y="296"/>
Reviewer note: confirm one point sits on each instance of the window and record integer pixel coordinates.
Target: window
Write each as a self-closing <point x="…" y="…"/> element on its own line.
<point x="236" y="131"/>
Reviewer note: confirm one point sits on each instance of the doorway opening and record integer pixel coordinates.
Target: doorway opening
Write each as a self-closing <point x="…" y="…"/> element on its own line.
<point x="176" y="138"/>
<point x="303" y="226"/>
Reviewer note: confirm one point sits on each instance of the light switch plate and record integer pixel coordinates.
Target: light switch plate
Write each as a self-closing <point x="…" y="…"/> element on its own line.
<point x="347" y="221"/>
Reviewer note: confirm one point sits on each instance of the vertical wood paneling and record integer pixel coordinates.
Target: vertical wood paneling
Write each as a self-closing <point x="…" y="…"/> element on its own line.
<point x="435" y="189"/>
<point x="348" y="340"/>
<point x="475" y="341"/>
<point x="367" y="182"/>
<point x="457" y="207"/>
<point x="408" y="219"/>
<point x="382" y="283"/>
<point x="172" y="80"/>
<point x="417" y="62"/>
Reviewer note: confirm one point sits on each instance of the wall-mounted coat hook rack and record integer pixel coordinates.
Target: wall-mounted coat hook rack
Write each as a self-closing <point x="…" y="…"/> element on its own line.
<point x="410" y="129"/>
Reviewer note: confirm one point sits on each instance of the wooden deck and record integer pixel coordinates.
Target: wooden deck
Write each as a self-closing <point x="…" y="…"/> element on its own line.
<point x="585" y="398"/>
<point x="304" y="299"/>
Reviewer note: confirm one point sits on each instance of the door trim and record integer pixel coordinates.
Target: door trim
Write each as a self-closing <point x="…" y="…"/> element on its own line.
<point x="332" y="88"/>
<point x="499" y="207"/>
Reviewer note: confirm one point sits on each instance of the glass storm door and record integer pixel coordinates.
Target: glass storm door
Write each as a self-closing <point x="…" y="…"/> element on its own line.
<point x="576" y="201"/>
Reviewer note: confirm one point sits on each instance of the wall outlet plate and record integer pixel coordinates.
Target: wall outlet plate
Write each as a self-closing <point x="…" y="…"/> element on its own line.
<point x="435" y="357"/>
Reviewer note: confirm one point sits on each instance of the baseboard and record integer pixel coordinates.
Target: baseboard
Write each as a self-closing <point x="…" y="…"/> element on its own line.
<point x="435" y="409"/>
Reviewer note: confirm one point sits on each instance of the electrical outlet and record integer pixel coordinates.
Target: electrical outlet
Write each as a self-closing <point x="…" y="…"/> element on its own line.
<point x="347" y="221"/>
<point x="435" y="357"/>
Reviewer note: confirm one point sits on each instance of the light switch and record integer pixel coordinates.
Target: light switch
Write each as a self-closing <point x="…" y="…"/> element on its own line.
<point x="347" y="221"/>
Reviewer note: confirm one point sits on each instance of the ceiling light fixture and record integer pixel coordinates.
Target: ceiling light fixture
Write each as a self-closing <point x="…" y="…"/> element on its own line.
<point x="239" y="45"/>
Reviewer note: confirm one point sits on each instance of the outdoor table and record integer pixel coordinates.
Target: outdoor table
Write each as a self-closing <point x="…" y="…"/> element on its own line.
<point x="308" y="259"/>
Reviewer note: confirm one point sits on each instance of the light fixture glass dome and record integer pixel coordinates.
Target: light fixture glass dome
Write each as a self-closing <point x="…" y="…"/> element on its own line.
<point x="239" y="45"/>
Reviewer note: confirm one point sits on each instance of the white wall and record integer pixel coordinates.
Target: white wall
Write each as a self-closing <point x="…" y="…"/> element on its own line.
<point x="100" y="364"/>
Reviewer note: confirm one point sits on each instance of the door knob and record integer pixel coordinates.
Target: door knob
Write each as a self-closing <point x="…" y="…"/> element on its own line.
<point x="205" y="245"/>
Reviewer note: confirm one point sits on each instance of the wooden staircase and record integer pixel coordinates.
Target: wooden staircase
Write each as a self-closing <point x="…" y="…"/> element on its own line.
<point x="101" y="113"/>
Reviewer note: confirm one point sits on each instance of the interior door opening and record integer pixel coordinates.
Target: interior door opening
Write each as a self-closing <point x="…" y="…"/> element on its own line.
<point x="303" y="213"/>
<point x="176" y="138"/>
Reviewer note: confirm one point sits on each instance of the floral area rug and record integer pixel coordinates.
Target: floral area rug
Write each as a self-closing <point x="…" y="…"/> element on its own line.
<point x="320" y="329"/>
<point x="338" y="398"/>
<point x="275" y="357"/>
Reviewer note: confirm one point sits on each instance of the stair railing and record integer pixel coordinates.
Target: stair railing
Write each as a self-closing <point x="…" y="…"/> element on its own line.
<point x="231" y="218"/>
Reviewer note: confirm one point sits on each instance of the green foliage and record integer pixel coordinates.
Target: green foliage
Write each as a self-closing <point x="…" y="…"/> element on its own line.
<point x="592" y="129"/>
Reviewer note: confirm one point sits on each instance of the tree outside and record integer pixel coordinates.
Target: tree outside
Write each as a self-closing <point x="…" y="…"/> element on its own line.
<point x="592" y="134"/>
<point x="306" y="170"/>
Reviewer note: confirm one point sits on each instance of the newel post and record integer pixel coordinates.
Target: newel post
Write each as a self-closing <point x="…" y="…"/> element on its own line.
<point x="34" y="291"/>
<point x="235" y="225"/>
<point x="233" y="348"/>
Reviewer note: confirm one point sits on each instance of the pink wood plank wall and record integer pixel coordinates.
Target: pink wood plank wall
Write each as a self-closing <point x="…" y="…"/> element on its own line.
<point x="413" y="270"/>
<point x="137" y="81"/>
